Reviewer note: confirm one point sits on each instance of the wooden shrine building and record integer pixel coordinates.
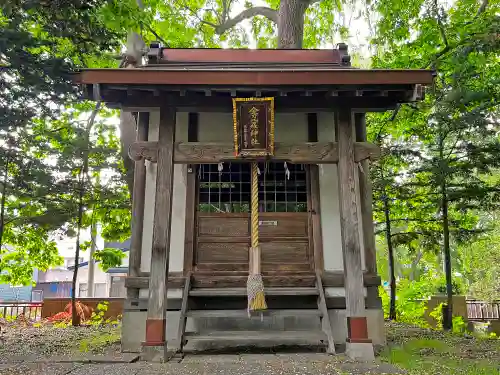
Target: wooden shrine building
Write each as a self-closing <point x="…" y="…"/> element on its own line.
<point x="252" y="149"/>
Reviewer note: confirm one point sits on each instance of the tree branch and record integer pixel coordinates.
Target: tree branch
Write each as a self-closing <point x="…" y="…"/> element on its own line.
<point x="447" y="48"/>
<point x="269" y="13"/>
<point x="482" y="8"/>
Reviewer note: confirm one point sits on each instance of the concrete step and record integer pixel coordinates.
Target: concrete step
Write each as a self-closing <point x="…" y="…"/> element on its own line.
<point x="295" y="336"/>
<point x="244" y="313"/>
<point x="237" y="292"/>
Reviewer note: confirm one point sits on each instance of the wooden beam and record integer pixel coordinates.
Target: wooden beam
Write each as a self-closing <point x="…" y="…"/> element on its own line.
<point x="213" y="152"/>
<point x="366" y="151"/>
<point x="191" y="198"/>
<point x="365" y="192"/>
<point x="138" y="197"/>
<point x="349" y="224"/>
<point x="157" y="306"/>
<point x="239" y="279"/>
<point x="284" y="102"/>
<point x="138" y="151"/>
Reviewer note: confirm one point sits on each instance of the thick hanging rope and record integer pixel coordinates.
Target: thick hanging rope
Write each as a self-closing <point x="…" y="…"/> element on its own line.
<point x="255" y="285"/>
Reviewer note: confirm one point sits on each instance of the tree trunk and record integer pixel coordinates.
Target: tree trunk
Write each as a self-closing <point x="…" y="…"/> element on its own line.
<point x="448" y="319"/>
<point x="4" y="197"/>
<point x="388" y="236"/>
<point x="93" y="246"/>
<point x="75" y="318"/>
<point x="291" y="23"/>
<point x="2" y="204"/>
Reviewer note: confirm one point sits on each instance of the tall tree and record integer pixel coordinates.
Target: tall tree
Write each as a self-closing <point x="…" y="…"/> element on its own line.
<point x="41" y="43"/>
<point x="456" y="128"/>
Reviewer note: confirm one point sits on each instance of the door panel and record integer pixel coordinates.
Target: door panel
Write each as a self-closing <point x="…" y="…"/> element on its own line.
<point x="289" y="224"/>
<point x="223" y="219"/>
<point x="284" y="252"/>
<point x="223" y="225"/>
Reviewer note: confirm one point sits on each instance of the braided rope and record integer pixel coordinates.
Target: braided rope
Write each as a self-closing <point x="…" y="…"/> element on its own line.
<point x="255" y="286"/>
<point x="255" y="205"/>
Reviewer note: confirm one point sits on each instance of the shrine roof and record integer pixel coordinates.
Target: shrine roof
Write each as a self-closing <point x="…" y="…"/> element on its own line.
<point x="247" y="72"/>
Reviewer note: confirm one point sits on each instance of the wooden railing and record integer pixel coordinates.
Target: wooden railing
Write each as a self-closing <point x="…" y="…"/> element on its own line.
<point x="11" y="310"/>
<point x="483" y="311"/>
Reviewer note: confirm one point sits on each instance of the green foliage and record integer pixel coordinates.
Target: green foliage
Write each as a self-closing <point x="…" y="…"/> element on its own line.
<point x="459" y="326"/>
<point x="457" y="288"/>
<point x="30" y="248"/>
<point x="41" y="127"/>
<point x="100" y="340"/>
<point x="427" y="352"/>
<point x="109" y="257"/>
<point x="437" y="315"/>
<point x="410" y="306"/>
<point x="437" y="175"/>
<point x="97" y="317"/>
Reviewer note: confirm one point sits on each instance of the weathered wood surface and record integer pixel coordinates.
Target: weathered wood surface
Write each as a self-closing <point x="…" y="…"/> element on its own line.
<point x="317" y="235"/>
<point x="365" y="192"/>
<point x="239" y="278"/>
<point x="144" y="150"/>
<point x="162" y="217"/>
<point x="324" y="313"/>
<point x="181" y="329"/>
<point x="146" y="97"/>
<point x="210" y="152"/>
<point x="349" y="222"/>
<point x="243" y="313"/>
<point x="212" y="292"/>
<point x="261" y="335"/>
<point x="223" y="241"/>
<point x="190" y="221"/>
<point x="191" y="198"/>
<point x="138" y="198"/>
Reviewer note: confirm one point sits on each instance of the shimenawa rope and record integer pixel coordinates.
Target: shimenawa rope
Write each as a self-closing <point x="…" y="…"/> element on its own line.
<point x="255" y="285"/>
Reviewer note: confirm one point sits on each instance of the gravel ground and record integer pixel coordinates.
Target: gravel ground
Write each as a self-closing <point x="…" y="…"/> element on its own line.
<point x="261" y="365"/>
<point x="31" y="344"/>
<point x="48" y="350"/>
<point x="95" y="351"/>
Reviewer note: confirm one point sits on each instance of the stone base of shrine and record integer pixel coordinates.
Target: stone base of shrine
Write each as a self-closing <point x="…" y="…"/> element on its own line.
<point x="360" y="351"/>
<point x="134" y="328"/>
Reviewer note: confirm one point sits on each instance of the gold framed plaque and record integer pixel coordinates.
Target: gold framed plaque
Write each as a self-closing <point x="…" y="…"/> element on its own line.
<point x="253" y="120"/>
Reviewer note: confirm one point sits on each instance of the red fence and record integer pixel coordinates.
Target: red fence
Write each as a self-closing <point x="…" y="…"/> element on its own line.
<point x="52" y="306"/>
<point x="483" y="311"/>
<point x="11" y="310"/>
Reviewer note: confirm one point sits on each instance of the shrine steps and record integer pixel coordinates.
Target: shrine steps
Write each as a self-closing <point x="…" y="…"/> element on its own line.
<point x="244" y="313"/>
<point x="232" y="327"/>
<point x="282" y="336"/>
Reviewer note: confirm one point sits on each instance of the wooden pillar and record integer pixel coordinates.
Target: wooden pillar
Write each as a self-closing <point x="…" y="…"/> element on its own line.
<point x="314" y="197"/>
<point x="358" y="344"/>
<point x="365" y="192"/>
<point x="155" y="344"/>
<point x="138" y="196"/>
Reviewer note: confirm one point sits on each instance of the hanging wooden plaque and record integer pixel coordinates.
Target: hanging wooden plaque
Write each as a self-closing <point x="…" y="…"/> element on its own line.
<point x="253" y="127"/>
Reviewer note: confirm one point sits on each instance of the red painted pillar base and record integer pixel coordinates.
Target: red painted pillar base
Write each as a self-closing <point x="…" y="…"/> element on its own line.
<point x="357" y="330"/>
<point x="154" y="349"/>
<point x="155" y="332"/>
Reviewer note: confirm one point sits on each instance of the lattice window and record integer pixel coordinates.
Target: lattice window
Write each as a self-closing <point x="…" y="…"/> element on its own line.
<point x="229" y="190"/>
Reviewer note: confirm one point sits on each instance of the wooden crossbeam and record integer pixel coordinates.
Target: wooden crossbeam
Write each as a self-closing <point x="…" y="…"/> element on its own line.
<point x="209" y="152"/>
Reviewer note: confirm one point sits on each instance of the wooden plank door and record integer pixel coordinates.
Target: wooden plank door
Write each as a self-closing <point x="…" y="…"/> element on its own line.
<point x="223" y="219"/>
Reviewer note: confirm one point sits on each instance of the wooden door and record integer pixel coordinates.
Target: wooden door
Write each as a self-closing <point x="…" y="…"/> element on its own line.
<point x="223" y="219"/>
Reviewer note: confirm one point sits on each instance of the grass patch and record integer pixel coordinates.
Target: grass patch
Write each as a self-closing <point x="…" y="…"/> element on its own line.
<point x="423" y="351"/>
<point x="100" y="340"/>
